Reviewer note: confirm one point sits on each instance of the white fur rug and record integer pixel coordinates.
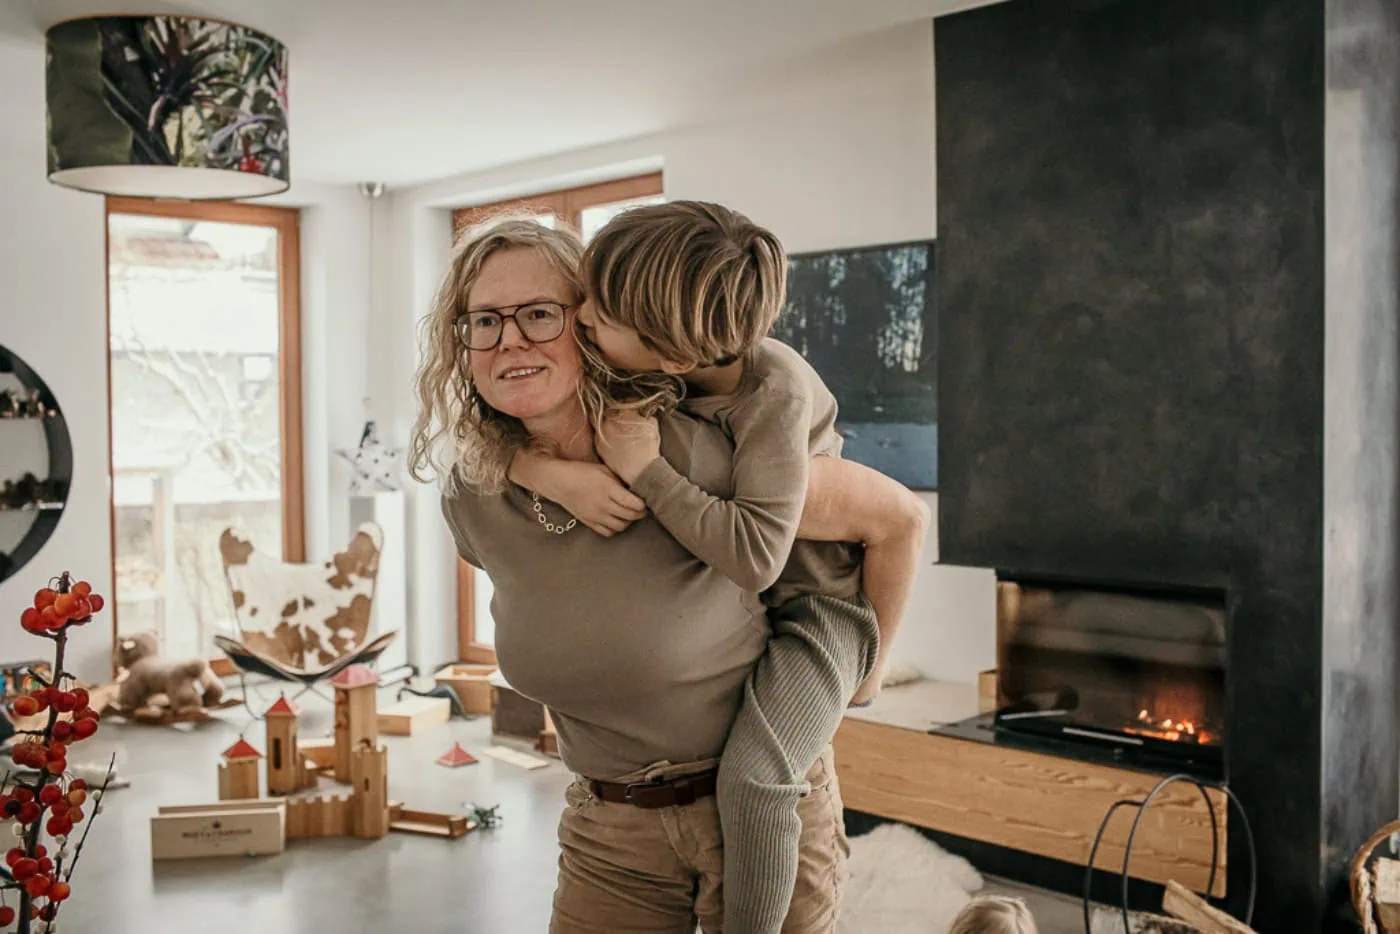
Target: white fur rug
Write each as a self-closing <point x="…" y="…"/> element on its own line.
<point x="903" y="883"/>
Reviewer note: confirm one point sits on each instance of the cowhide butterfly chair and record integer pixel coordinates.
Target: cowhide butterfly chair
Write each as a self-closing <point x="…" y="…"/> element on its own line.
<point x="302" y="623"/>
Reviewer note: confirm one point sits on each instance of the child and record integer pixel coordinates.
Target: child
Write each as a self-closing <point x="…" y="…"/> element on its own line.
<point x="994" y="914"/>
<point x="692" y="289"/>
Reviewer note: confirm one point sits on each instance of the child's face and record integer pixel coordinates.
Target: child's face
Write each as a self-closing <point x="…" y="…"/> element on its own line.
<point x="622" y="346"/>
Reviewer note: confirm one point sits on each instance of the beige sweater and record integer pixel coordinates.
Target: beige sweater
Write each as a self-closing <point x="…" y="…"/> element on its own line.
<point x="639" y="649"/>
<point x="780" y="416"/>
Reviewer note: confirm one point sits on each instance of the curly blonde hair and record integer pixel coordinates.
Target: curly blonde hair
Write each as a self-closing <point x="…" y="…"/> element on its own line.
<point x="994" y="914"/>
<point x="457" y="437"/>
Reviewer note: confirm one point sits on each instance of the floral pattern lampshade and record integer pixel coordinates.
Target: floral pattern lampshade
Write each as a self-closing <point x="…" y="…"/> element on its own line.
<point x="167" y="107"/>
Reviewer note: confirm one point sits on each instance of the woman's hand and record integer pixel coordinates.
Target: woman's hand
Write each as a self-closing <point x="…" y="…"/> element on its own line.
<point x="628" y="442"/>
<point x="590" y="492"/>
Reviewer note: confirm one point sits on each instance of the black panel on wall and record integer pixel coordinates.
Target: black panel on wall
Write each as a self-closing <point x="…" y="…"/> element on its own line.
<point x="1131" y="329"/>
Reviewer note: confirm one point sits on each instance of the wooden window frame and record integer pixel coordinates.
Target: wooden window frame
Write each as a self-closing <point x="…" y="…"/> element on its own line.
<point x="568" y="206"/>
<point x="287" y="223"/>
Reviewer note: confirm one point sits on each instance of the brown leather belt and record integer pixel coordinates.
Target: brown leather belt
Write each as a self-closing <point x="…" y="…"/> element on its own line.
<point x="675" y="792"/>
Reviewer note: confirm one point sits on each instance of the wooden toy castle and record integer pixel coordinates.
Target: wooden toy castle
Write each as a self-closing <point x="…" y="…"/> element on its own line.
<point x="354" y="757"/>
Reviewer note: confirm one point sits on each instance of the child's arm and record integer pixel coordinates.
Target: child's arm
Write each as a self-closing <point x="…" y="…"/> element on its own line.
<point x="748" y="536"/>
<point x="590" y="492"/>
<point x="849" y="502"/>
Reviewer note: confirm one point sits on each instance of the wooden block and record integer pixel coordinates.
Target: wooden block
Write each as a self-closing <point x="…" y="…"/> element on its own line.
<point x="430" y="823"/>
<point x="413" y="714"/>
<point x="513" y="714"/>
<point x="1029" y="801"/>
<point x="252" y="831"/>
<point x="987" y="691"/>
<point x="1105" y="919"/>
<point x="515" y="757"/>
<point x="1180" y="902"/>
<point x="471" y="686"/>
<point x="320" y="752"/>
<point x="248" y="804"/>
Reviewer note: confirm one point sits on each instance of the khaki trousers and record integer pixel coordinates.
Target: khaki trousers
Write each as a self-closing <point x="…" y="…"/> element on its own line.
<point x="625" y="870"/>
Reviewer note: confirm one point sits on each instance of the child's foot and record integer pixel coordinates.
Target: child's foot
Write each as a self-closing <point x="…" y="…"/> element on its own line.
<point x="868" y="690"/>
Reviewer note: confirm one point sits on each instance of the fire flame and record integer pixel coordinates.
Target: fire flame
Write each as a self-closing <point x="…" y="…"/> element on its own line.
<point x="1170" y="729"/>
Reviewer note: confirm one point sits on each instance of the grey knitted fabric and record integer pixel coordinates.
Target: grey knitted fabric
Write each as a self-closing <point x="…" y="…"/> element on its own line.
<point x="822" y="648"/>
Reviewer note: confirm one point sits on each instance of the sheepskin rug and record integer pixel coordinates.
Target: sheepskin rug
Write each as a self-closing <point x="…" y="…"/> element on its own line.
<point x="903" y="883"/>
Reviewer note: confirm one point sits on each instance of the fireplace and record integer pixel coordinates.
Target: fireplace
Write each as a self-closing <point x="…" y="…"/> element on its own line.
<point x="1134" y="673"/>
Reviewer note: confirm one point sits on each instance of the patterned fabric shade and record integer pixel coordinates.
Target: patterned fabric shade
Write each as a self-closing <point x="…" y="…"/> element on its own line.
<point x="167" y="107"/>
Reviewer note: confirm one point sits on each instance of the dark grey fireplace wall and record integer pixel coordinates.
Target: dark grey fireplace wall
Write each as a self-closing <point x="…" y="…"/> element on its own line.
<point x="1167" y="300"/>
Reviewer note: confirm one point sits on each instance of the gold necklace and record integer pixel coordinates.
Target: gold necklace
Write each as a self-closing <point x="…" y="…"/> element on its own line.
<point x="544" y="521"/>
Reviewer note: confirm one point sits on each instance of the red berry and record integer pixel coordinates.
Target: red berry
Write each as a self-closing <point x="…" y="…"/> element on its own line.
<point x="66" y="702"/>
<point x="82" y="729"/>
<point x="57" y="751"/>
<point x="76" y="796"/>
<point x="95" y="601"/>
<point x="50" y="910"/>
<point x="59" y="891"/>
<point x="80" y="695"/>
<point x="57" y="766"/>
<point x="51" y="694"/>
<point x="61" y="807"/>
<point x="32" y="620"/>
<point x="29" y="812"/>
<point x="77" y="784"/>
<point x="76" y="815"/>
<point x="24" y="868"/>
<point x="45" y="865"/>
<point x="41" y="851"/>
<point x="26" y="706"/>
<point x="49" y="618"/>
<point x="63" y="730"/>
<point x="38" y="885"/>
<point x="82" y="588"/>
<point x="7" y="916"/>
<point x="14" y="855"/>
<point x="22" y="794"/>
<point x="58" y="826"/>
<point x="49" y="794"/>
<point x="86" y="713"/>
<point x="63" y="605"/>
<point x="82" y="610"/>
<point x="45" y="597"/>
<point x="41" y="699"/>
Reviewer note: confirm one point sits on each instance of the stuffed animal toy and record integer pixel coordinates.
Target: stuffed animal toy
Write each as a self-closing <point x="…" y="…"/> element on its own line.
<point x="186" y="684"/>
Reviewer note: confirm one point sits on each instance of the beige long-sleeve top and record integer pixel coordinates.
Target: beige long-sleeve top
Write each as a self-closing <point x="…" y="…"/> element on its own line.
<point x="779" y="417"/>
<point x="639" y="648"/>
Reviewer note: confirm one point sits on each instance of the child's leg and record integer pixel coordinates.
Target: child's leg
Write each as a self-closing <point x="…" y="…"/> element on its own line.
<point x="891" y="563"/>
<point x="821" y="649"/>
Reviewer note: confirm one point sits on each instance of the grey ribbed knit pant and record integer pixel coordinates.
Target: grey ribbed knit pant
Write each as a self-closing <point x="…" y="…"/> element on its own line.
<point x="821" y="649"/>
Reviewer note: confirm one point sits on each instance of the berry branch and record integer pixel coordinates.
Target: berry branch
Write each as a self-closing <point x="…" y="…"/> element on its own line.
<point x="48" y="805"/>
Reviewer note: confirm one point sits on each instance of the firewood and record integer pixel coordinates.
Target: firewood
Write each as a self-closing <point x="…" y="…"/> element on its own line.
<point x="1180" y="902"/>
<point x="1106" y="920"/>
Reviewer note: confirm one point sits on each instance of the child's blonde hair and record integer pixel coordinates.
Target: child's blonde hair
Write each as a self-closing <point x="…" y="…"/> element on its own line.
<point x="699" y="283"/>
<point x="994" y="914"/>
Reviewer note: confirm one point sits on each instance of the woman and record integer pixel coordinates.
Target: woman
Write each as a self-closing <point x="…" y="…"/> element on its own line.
<point x="639" y="650"/>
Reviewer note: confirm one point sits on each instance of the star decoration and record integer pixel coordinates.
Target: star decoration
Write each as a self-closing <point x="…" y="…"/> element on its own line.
<point x="375" y="466"/>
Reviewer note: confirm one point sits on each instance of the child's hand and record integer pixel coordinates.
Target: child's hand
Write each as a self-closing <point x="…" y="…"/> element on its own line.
<point x="594" y="496"/>
<point x="628" y="442"/>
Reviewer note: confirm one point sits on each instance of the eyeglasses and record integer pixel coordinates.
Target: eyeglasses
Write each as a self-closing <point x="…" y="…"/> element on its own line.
<point x="539" y="323"/>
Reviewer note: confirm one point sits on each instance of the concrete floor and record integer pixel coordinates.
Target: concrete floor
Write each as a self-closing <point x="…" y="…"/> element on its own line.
<point x="491" y="882"/>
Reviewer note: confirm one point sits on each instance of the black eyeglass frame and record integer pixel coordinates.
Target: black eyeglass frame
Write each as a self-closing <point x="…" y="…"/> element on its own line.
<point x="464" y="319"/>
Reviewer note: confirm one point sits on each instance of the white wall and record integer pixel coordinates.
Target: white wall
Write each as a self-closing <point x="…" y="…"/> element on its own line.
<point x="832" y="151"/>
<point x="52" y="303"/>
<point x="53" y="314"/>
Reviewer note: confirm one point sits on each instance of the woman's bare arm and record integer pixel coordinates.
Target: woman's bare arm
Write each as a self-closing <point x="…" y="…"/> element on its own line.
<point x="848" y="502"/>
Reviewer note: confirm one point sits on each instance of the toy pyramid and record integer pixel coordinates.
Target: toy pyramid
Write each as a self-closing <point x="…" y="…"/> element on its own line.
<point x="455" y="757"/>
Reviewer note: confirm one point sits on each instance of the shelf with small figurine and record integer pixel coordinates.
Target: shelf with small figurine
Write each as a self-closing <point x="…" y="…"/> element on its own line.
<point x="27" y="403"/>
<point x="30" y="494"/>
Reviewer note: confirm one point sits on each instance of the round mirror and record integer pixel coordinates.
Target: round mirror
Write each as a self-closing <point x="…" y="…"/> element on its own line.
<point x="36" y="463"/>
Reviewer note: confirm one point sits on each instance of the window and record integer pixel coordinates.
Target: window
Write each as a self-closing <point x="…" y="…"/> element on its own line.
<point x="205" y="360"/>
<point x="586" y="209"/>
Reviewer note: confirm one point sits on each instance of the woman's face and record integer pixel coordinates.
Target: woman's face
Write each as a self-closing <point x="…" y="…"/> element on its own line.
<point x="529" y="381"/>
